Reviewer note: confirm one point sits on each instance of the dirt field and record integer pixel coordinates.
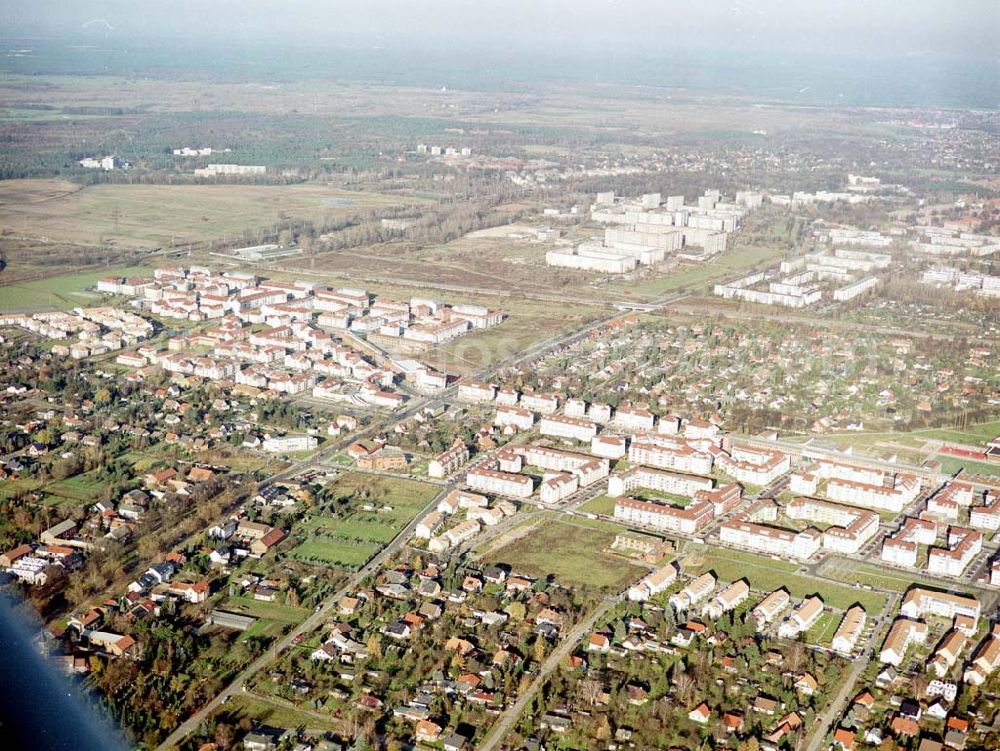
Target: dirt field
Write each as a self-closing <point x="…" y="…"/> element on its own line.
<point x="155" y="215"/>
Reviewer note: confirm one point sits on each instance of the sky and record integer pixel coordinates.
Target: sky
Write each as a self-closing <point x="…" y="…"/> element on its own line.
<point x="880" y="28"/>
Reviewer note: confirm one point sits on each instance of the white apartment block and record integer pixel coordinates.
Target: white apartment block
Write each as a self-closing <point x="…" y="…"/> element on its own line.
<point x="753" y="466"/>
<point x="499" y="483"/>
<point x="287" y="443"/>
<point x="575" y="428"/>
<point x="854" y="289"/>
<point x="608" y="447"/>
<point x="919" y="602"/>
<point x="558" y="486"/>
<point x="476" y="392"/>
<point x="903" y="492"/>
<point x="665" y="482"/>
<point x="986" y="516"/>
<point x="963" y="546"/>
<point x="634" y="418"/>
<point x="664" y="452"/>
<point x="449" y="461"/>
<point x="662" y="516"/>
<point x="827" y="469"/>
<point x="518" y="417"/>
<point x="901" y="548"/>
<point x="850" y="528"/>
<point x="771" y="540"/>
<point x="544" y="404"/>
<point x="803" y="483"/>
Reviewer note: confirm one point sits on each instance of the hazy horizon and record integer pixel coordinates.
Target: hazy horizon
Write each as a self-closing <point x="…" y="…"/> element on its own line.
<point x="899" y="28"/>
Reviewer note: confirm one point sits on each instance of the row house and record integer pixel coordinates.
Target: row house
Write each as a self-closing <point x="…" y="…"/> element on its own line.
<point x="768" y="609"/>
<point x="845" y="639"/>
<point x="654" y="583"/>
<point x="802" y="618"/>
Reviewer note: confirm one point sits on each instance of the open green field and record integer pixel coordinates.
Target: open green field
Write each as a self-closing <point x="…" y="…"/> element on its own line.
<point x="272" y="611"/>
<point x="265" y="713"/>
<point x="151" y="216"/>
<point x="951" y="464"/>
<point x="974" y="435"/>
<point x="63" y="292"/>
<point x="332" y="551"/>
<point x="724" y="265"/>
<point x="572" y="554"/>
<point x="352" y="539"/>
<point x="602" y="504"/>
<point x="766" y="575"/>
<point x="80" y="487"/>
<point x="529" y="322"/>
<point x="885" y="578"/>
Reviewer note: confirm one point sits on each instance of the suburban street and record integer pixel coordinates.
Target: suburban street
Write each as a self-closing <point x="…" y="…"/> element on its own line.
<point x="835" y="708"/>
<point x="513" y="712"/>
<point x="309" y="624"/>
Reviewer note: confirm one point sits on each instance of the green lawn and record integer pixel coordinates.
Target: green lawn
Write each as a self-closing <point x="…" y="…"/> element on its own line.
<point x="265" y="713"/>
<point x="62" y="292"/>
<point x="571" y="553"/>
<point x="724" y="265"/>
<point x="766" y="575"/>
<point x="272" y="611"/>
<point x="883" y="578"/>
<point x="602" y="504"/>
<point x="952" y="464"/>
<point x="822" y="633"/>
<point x="973" y="435"/>
<point x="334" y="552"/>
<point x="80" y="487"/>
<point x="353" y="539"/>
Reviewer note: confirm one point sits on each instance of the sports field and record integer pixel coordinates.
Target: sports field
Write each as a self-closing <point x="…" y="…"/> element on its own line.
<point x="352" y="539"/>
